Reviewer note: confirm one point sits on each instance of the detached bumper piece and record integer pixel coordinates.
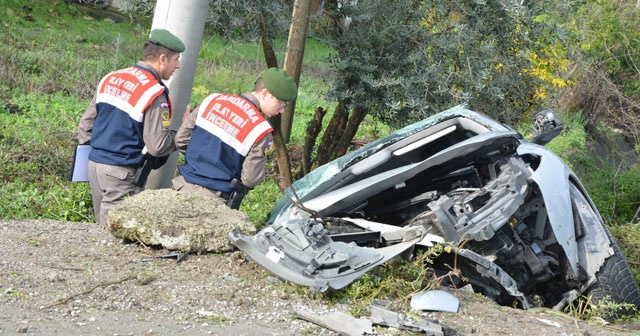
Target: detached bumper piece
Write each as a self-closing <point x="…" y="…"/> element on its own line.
<point x="304" y="254"/>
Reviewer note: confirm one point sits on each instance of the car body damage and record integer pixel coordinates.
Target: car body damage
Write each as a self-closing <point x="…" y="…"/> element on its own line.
<point x="522" y="226"/>
<point x="292" y="253"/>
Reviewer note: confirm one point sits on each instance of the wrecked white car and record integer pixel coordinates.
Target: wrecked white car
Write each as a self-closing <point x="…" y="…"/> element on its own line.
<point x="523" y="228"/>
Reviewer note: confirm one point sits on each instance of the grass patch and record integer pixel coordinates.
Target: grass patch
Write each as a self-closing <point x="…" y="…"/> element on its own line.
<point x="584" y="309"/>
<point x="36" y="146"/>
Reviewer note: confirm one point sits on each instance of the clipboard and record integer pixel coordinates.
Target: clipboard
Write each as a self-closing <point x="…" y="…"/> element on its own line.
<point x="80" y="165"/>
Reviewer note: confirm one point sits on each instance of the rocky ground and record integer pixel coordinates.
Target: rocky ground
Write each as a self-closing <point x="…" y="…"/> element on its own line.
<point x="66" y="278"/>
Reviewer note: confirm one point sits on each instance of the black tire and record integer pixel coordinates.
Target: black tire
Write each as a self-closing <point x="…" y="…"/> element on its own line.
<point x="615" y="281"/>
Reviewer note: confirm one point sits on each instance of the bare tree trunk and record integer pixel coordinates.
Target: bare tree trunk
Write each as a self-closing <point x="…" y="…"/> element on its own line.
<point x="293" y="57"/>
<point x="282" y="156"/>
<point x="313" y="129"/>
<point x="267" y="45"/>
<point x="331" y="135"/>
<point x="357" y="115"/>
<point x="280" y="148"/>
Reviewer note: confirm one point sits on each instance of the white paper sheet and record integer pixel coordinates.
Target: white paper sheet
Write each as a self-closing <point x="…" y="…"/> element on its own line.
<point x="80" y="166"/>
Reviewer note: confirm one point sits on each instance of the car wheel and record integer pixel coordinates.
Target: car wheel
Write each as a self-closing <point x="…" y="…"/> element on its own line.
<point x="615" y="282"/>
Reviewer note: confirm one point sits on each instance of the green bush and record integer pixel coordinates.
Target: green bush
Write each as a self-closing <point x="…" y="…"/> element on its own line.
<point x="394" y="281"/>
<point x="618" y="192"/>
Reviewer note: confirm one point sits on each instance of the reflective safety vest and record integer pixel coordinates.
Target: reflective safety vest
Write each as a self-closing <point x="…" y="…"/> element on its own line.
<point x="226" y="128"/>
<point x="122" y="99"/>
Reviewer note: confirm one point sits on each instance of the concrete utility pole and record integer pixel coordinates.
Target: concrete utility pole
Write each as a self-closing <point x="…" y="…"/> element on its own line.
<point x="185" y="19"/>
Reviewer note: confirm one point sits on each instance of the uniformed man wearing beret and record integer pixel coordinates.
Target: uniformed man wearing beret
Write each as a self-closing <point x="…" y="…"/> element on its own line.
<point x="127" y="123"/>
<point x="225" y="138"/>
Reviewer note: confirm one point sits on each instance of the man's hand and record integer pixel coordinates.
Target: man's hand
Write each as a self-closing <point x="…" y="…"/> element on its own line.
<point x="187" y="113"/>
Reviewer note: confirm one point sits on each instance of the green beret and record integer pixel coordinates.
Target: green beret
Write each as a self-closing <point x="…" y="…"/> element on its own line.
<point x="164" y="38"/>
<point x="279" y="84"/>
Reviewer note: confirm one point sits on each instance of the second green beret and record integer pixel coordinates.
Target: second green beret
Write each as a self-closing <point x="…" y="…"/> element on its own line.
<point x="280" y="84"/>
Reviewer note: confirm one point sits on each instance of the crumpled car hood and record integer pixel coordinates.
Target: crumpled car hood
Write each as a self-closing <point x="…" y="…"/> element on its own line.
<point x="290" y="248"/>
<point x="339" y="172"/>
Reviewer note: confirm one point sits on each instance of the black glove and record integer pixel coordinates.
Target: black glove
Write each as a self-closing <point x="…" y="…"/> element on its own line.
<point x="238" y="191"/>
<point x="150" y="163"/>
<point x="156" y="162"/>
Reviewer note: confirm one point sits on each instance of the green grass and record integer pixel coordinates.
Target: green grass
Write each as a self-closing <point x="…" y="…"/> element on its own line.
<point x="73" y="49"/>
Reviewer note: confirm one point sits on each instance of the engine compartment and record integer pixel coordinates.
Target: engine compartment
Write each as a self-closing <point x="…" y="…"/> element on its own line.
<point x="489" y="206"/>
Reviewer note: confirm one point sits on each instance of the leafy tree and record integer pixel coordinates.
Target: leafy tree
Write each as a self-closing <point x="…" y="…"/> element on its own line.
<point x="401" y="61"/>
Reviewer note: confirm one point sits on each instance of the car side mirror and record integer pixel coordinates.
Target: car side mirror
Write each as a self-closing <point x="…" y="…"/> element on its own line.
<point x="546" y="126"/>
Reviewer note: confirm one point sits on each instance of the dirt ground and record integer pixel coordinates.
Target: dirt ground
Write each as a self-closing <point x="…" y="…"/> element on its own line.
<point x="65" y="278"/>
